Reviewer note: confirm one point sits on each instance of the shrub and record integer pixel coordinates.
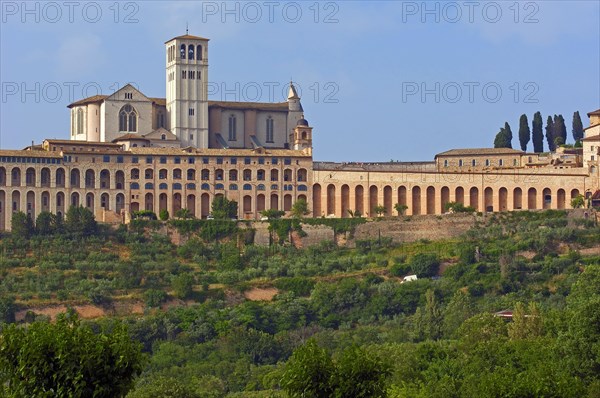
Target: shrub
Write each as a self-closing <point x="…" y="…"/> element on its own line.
<point x="154" y="298"/>
<point x="425" y="264"/>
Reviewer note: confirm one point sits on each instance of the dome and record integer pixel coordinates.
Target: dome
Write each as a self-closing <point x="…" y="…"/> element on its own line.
<point x="302" y="122"/>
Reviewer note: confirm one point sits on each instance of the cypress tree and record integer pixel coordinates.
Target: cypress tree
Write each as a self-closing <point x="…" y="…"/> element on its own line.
<point x="550" y="134"/>
<point x="560" y="129"/>
<point x="537" y="134"/>
<point x="509" y="135"/>
<point x="524" y="132"/>
<point x="502" y="139"/>
<point x="577" y="127"/>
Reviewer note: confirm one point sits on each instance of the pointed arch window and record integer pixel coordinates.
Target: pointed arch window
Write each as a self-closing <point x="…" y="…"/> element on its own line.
<point x="232" y="128"/>
<point x="270" y="124"/>
<point x="191" y="52"/>
<point x="128" y="118"/>
<point x="199" y="53"/>
<point x="182" y="51"/>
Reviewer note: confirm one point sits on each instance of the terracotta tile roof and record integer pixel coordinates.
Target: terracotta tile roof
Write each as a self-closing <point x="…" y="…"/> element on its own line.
<point x="595" y="113"/>
<point x="592" y="138"/>
<point x="217" y="152"/>
<point x="77" y="143"/>
<point x="481" y="151"/>
<point x="88" y="100"/>
<point x="34" y="154"/>
<point x="187" y="37"/>
<point x="129" y="137"/>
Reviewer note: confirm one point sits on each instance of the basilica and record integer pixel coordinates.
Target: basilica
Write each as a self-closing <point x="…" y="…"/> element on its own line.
<point x="128" y="152"/>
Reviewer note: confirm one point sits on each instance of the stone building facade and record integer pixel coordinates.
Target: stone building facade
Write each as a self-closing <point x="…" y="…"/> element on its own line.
<point x="129" y="152"/>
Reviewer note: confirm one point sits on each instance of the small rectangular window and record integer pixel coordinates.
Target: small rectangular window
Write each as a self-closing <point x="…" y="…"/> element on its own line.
<point x="274" y="161"/>
<point x="261" y="160"/>
<point x="106" y="158"/>
<point x="247" y="161"/>
<point x="191" y="160"/>
<point x="119" y="159"/>
<point x="163" y="159"/>
<point x="287" y="161"/>
<point x="149" y="159"/>
<point x="177" y="160"/>
<point x="460" y="163"/>
<point x="204" y="160"/>
<point x="219" y="160"/>
<point x="135" y="159"/>
<point x="233" y="160"/>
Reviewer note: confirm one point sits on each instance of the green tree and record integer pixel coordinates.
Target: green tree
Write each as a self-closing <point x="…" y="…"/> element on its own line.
<point x="458" y="310"/>
<point x="45" y="223"/>
<point x="560" y="129"/>
<point x="80" y="221"/>
<point x="431" y="318"/>
<point x="67" y="359"/>
<point x="7" y="309"/>
<point x="163" y="215"/>
<point x="360" y="374"/>
<point x="272" y="214"/>
<point x="525" y="325"/>
<point x="550" y="134"/>
<point x="309" y="372"/>
<point x="425" y="264"/>
<point x="380" y="210"/>
<point x="22" y="225"/>
<point x="578" y="202"/>
<point x="182" y="286"/>
<point x="300" y="208"/>
<point x="184" y="214"/>
<point x="524" y="132"/>
<point x="223" y="208"/>
<point x="577" y="127"/>
<point x="537" y="134"/>
<point x="401" y="209"/>
<point x="503" y="138"/>
<point x="163" y="387"/>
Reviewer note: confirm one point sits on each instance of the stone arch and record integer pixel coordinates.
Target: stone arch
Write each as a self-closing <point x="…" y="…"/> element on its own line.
<point x="119" y="202"/>
<point x="2" y="209"/>
<point x="30" y="202"/>
<point x="387" y="200"/>
<point x="149" y="202"/>
<point x="177" y="203"/>
<point x="90" y="179"/>
<point x="359" y="199"/>
<point x="531" y="198"/>
<point x="15" y="177"/>
<point x="30" y="177"/>
<point x="89" y="201"/>
<point x="60" y="177"/>
<point x="260" y="203"/>
<point x="45" y="177"/>
<point x="190" y="204"/>
<point x="16" y="201"/>
<point x="373" y="200"/>
<point x="416" y="200"/>
<point x="105" y="201"/>
<point x="430" y="198"/>
<point x="445" y="196"/>
<point x="517" y="199"/>
<point x="135" y="206"/>
<point x="2" y="177"/>
<point x="503" y="199"/>
<point x="274" y="175"/>
<point x="247" y="204"/>
<point x="317" y="212"/>
<point x="547" y="198"/>
<point x="302" y="175"/>
<point x="75" y="200"/>
<point x="287" y="202"/>
<point x="345" y="200"/>
<point x="488" y="199"/>
<point x="162" y="202"/>
<point x="459" y="195"/>
<point x="60" y="202"/>
<point x="574" y="193"/>
<point x="204" y="205"/>
<point x="561" y="199"/>
<point x="120" y="179"/>
<point x="45" y="201"/>
<point x="330" y="199"/>
<point x="274" y="202"/>
<point x="75" y="178"/>
<point x="402" y="195"/>
<point x="474" y="198"/>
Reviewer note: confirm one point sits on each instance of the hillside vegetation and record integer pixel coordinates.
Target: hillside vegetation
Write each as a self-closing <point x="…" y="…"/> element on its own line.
<point x="220" y="317"/>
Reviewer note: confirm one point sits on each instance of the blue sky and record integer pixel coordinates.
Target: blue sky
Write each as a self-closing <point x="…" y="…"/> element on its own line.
<point x="399" y="80"/>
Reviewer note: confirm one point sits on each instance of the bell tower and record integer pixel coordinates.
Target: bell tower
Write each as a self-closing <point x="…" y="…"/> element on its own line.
<point x="301" y="137"/>
<point x="187" y="85"/>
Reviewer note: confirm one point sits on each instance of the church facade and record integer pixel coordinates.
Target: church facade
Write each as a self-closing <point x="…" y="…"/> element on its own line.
<point x="129" y="152"/>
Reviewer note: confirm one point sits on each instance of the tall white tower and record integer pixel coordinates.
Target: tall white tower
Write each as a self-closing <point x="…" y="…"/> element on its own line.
<point x="187" y="86"/>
